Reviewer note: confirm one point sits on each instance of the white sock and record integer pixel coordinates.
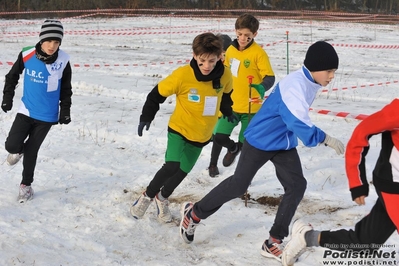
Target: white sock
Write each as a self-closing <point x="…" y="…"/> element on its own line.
<point x="160" y="197"/>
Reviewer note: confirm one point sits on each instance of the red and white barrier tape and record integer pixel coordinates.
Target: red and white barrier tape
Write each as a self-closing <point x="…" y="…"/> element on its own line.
<point x="132" y="32"/>
<point x="7" y="63"/>
<point x="361" y="86"/>
<point x="198" y="10"/>
<point x="133" y="65"/>
<point x="90" y="17"/>
<point x="95" y="65"/>
<point x="321" y="111"/>
<point x="354" y="45"/>
<point x="339" y="114"/>
<point x="107" y="33"/>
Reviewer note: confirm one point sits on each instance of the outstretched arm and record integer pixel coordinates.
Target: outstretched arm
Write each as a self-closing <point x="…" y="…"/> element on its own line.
<point x="150" y="108"/>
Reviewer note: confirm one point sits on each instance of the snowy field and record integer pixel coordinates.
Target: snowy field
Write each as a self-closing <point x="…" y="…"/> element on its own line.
<point x="90" y="171"/>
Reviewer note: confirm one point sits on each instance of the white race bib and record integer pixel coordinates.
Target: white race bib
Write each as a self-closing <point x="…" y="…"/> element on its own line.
<point x="210" y="105"/>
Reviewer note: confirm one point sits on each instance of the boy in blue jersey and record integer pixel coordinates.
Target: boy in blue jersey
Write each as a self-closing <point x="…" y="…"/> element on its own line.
<point x="46" y="99"/>
<point x="272" y="136"/>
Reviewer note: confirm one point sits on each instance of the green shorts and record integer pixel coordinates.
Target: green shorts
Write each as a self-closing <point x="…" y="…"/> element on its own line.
<point x="225" y="127"/>
<point x="179" y="150"/>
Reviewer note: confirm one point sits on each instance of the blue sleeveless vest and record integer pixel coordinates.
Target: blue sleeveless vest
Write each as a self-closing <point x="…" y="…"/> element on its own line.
<point x="42" y="86"/>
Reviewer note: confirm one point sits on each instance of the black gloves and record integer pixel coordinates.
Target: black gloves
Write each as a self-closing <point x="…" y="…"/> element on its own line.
<point x="6" y="105"/>
<point x="231" y="118"/>
<point x="141" y="127"/>
<point x="65" y="116"/>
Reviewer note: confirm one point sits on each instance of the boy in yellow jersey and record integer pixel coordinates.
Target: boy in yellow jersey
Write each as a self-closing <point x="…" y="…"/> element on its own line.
<point x="202" y="88"/>
<point x="245" y="58"/>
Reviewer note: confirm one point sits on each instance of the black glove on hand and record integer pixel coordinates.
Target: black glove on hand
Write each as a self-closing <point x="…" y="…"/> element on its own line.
<point x="6" y="106"/>
<point x="65" y="116"/>
<point x="231" y="118"/>
<point x="141" y="127"/>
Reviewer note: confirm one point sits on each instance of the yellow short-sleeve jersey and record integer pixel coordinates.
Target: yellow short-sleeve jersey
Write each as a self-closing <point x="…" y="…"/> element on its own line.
<point x="197" y="102"/>
<point x="252" y="61"/>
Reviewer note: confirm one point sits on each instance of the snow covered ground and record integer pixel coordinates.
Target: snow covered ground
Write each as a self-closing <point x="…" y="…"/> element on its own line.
<point x="90" y="171"/>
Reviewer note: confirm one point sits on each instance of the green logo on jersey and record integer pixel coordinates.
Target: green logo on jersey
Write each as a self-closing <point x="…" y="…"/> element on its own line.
<point x="247" y="63"/>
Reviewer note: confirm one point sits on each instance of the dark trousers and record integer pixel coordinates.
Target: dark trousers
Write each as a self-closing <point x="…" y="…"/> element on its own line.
<point x="288" y="171"/>
<point x="215" y="152"/>
<point x="375" y="228"/>
<point x="26" y="136"/>
<point x="166" y="180"/>
<point x="220" y="141"/>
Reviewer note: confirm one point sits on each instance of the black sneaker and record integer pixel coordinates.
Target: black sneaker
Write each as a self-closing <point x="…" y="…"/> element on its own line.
<point x="230" y="157"/>
<point x="213" y="170"/>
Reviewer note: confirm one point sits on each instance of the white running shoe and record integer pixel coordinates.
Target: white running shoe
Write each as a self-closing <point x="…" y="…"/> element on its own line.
<point x="140" y="206"/>
<point x="297" y="245"/>
<point x="25" y="193"/>
<point x="163" y="209"/>
<point x="272" y="250"/>
<point x="187" y="224"/>
<point x="14" y="158"/>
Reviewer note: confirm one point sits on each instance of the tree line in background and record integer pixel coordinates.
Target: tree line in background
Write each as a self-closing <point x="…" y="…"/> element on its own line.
<point x="356" y="6"/>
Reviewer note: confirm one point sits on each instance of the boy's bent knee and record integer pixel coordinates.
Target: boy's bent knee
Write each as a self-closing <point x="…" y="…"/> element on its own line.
<point x="301" y="186"/>
<point x="12" y="148"/>
<point x="171" y="167"/>
<point x="222" y="139"/>
<point x="298" y="187"/>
